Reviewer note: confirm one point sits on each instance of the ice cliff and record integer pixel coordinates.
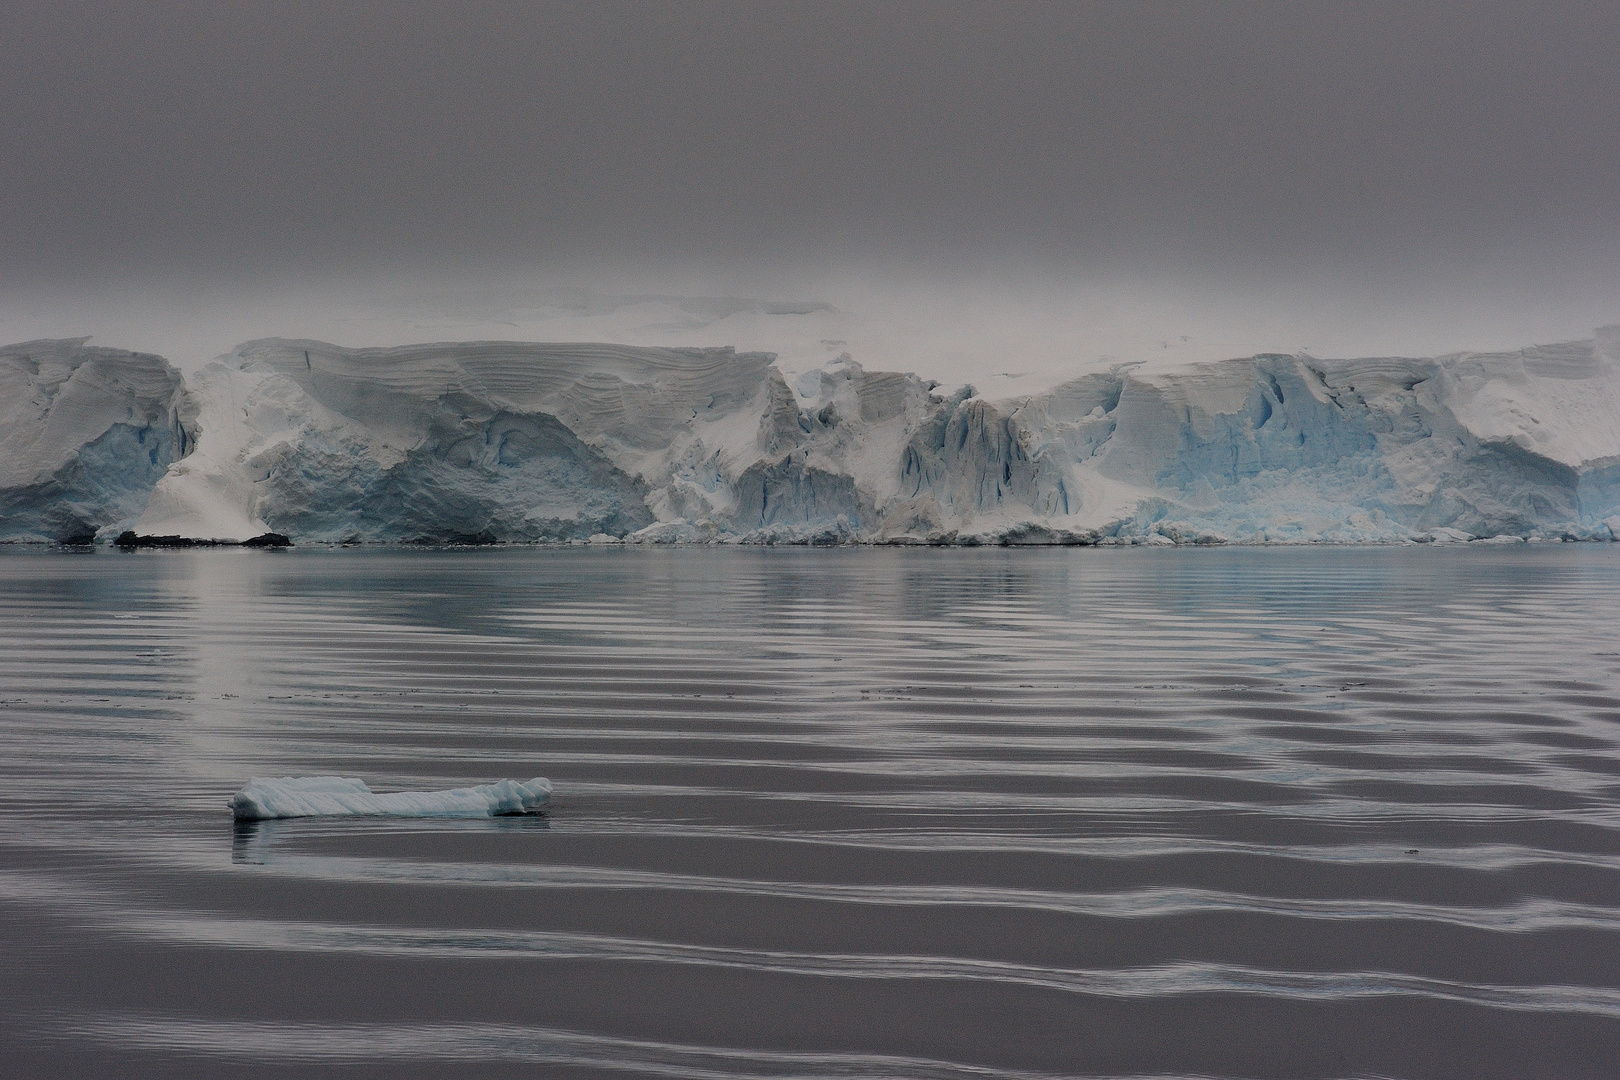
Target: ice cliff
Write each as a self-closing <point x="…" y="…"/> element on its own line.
<point x="484" y="441"/>
<point x="85" y="433"/>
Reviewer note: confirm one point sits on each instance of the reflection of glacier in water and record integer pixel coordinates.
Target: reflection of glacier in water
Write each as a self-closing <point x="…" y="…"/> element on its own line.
<point x="868" y="812"/>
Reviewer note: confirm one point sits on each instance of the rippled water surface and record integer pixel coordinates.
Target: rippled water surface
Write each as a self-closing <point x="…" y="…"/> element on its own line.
<point x="848" y="813"/>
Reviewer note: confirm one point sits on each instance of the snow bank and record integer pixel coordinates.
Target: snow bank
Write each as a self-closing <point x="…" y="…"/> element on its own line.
<point x="499" y="441"/>
<point x="321" y="796"/>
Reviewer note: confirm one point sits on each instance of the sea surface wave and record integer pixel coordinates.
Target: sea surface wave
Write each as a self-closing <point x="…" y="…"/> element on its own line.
<point x="846" y="813"/>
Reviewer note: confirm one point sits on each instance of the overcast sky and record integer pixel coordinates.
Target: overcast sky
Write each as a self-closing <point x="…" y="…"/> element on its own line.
<point x="1417" y="171"/>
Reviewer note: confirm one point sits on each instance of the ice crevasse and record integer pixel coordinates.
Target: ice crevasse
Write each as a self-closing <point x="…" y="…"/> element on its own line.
<point x="503" y="441"/>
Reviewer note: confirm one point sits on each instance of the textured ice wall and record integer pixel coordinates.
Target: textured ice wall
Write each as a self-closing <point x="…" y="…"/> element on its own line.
<point x="504" y="441"/>
<point x="465" y="442"/>
<point x="84" y="435"/>
<point x="1291" y="448"/>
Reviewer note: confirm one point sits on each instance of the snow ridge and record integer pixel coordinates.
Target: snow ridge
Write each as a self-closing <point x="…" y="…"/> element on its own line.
<point x="501" y="441"/>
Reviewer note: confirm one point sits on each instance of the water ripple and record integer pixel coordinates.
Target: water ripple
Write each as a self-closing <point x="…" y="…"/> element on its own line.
<point x="894" y="813"/>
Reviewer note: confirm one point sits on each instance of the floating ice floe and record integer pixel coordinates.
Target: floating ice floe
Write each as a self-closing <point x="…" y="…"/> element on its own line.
<point x="320" y="796"/>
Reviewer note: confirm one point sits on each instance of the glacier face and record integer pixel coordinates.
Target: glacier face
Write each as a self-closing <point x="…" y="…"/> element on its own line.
<point x="521" y="442"/>
<point x="85" y="433"/>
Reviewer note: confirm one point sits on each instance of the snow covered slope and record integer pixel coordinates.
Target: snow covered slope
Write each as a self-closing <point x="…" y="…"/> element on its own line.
<point x="503" y="441"/>
<point x="84" y="434"/>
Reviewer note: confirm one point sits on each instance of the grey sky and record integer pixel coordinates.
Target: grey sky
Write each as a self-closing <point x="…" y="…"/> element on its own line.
<point x="1405" y="153"/>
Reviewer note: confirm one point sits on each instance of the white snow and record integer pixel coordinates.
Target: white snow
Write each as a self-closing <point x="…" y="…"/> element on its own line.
<point x="211" y="494"/>
<point x="480" y="441"/>
<point x="323" y="796"/>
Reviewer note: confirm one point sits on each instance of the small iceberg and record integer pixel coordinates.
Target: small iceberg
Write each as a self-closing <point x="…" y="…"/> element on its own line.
<point x="321" y="796"/>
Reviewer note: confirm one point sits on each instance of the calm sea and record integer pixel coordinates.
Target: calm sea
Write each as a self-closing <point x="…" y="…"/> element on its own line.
<point x="838" y="813"/>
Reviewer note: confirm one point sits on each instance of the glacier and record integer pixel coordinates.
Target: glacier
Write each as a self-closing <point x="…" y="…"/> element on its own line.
<point x="85" y="434"/>
<point x="327" y="796"/>
<point x="476" y="442"/>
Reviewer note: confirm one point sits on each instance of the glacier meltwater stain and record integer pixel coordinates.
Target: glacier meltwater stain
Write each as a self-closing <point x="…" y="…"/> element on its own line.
<point x="850" y="813"/>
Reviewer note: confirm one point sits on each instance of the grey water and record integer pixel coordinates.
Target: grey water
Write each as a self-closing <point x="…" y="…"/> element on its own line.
<point x="944" y="814"/>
